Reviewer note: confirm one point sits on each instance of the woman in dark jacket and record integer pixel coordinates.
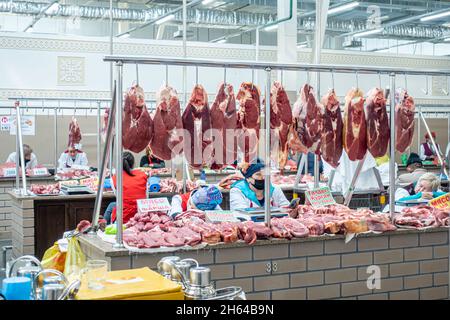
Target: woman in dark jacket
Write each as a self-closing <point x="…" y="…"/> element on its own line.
<point x="149" y="160"/>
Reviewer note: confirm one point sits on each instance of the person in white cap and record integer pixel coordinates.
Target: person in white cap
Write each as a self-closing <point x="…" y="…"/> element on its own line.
<point x="73" y="157"/>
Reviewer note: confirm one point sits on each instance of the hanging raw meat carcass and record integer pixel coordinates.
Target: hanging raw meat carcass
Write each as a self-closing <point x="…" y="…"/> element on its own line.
<point x="137" y="125"/>
<point x="377" y="123"/>
<point x="331" y="145"/>
<point x="280" y="121"/>
<point x="404" y="120"/>
<point x="355" y="143"/>
<point x="248" y="120"/>
<point x="105" y="124"/>
<point x="309" y="119"/>
<point x="167" y="137"/>
<point x="74" y="133"/>
<point x="223" y="121"/>
<point x="197" y="122"/>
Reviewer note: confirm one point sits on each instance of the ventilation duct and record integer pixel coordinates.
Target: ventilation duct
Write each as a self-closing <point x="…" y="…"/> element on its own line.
<point x="200" y="16"/>
<point x="404" y="31"/>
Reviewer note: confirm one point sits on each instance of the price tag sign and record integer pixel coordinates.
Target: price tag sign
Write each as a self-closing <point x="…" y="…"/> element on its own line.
<point x="68" y="183"/>
<point x="220" y="216"/>
<point x="92" y="183"/>
<point x="40" y="172"/>
<point x="9" y="172"/>
<point x="320" y="197"/>
<point x="442" y="202"/>
<point x="153" y="204"/>
<point x="4" y="123"/>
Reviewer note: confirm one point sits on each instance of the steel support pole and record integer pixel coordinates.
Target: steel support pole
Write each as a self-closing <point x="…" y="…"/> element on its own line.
<point x="448" y="143"/>
<point x="22" y="156"/>
<point x="103" y="164"/>
<point x="119" y="160"/>
<point x="392" y="148"/>
<point x="17" y="152"/>
<point x="99" y="135"/>
<point x="267" y="152"/>
<point x="55" y="140"/>
<point x="438" y="152"/>
<point x="184" y="163"/>
<point x="418" y="130"/>
<point x="111" y="74"/>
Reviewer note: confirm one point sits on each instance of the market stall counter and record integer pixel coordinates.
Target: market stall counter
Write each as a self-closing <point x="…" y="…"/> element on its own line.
<point x="6" y="185"/>
<point x="412" y="264"/>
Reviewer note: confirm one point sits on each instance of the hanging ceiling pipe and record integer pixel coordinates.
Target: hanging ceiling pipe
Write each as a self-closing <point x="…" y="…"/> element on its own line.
<point x="39" y="16"/>
<point x="168" y="14"/>
<point x="258" y="28"/>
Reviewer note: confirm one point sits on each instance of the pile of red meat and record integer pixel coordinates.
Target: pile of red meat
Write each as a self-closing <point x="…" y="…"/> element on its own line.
<point x="171" y="185"/>
<point x="45" y="189"/>
<point x="74" y="174"/>
<point x="339" y="219"/>
<point x="422" y="216"/>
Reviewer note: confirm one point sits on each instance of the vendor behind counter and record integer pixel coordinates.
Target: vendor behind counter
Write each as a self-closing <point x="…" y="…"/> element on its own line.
<point x="249" y="192"/>
<point x="204" y="198"/>
<point x="134" y="188"/>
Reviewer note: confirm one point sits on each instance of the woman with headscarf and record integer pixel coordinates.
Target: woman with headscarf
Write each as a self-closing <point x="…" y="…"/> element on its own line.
<point x="204" y="198"/>
<point x="249" y="192"/>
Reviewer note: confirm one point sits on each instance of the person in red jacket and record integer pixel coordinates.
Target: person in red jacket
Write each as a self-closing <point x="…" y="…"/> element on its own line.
<point x="134" y="188"/>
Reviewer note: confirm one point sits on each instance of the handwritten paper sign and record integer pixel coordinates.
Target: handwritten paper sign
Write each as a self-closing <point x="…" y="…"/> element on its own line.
<point x="442" y="202"/>
<point x="69" y="183"/>
<point x="92" y="183"/>
<point x="153" y="204"/>
<point x="9" y="172"/>
<point x="40" y="172"/>
<point x="320" y="197"/>
<point x="220" y="216"/>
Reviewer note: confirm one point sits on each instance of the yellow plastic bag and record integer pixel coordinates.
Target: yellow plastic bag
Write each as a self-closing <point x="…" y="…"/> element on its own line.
<point x="53" y="258"/>
<point x="75" y="259"/>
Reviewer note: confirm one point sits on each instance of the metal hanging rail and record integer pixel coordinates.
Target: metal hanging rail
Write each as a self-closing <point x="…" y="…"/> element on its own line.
<point x="267" y="67"/>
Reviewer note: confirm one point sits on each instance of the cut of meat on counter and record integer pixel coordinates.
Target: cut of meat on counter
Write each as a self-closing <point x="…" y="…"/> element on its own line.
<point x="421" y="216"/>
<point x="74" y="132"/>
<point x="378" y="132"/>
<point x="331" y="145"/>
<point x="167" y="124"/>
<point x="137" y="125"/>
<point x="404" y="120"/>
<point x="45" y="189"/>
<point x="226" y="182"/>
<point x="308" y="115"/>
<point x="196" y="122"/>
<point x="248" y="121"/>
<point x="224" y="121"/>
<point x="355" y="140"/>
<point x="280" y="122"/>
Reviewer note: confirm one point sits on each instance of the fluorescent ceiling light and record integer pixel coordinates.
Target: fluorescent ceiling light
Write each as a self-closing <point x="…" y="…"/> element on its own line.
<point x="125" y="35"/>
<point x="165" y="19"/>
<point x="345" y="7"/>
<point x="302" y="45"/>
<point x="367" y="33"/>
<point x="447" y="39"/>
<point x="436" y="16"/>
<point x="204" y="2"/>
<point x="53" y="8"/>
<point x="222" y="41"/>
<point x="271" y="28"/>
<point x="29" y="29"/>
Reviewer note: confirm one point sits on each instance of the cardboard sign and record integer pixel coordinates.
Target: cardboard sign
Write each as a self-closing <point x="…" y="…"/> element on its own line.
<point x="320" y="197"/>
<point x="9" y="172"/>
<point x="220" y="216"/>
<point x="153" y="204"/>
<point x="28" y="125"/>
<point x="442" y="202"/>
<point x="40" y="172"/>
<point x="92" y="183"/>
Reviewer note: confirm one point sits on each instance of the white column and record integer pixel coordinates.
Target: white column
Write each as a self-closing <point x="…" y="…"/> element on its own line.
<point x="287" y="43"/>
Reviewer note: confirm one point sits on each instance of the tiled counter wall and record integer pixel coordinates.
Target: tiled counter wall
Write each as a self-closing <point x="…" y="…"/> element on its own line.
<point x="5" y="205"/>
<point x="413" y="266"/>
